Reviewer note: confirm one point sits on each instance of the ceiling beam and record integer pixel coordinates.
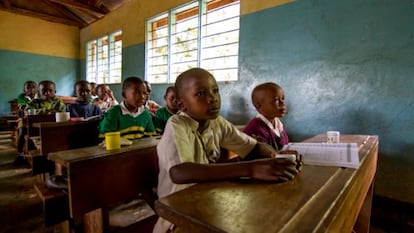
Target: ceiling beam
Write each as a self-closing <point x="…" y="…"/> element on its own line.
<point x="62" y="10"/>
<point x="41" y="16"/>
<point x="93" y="11"/>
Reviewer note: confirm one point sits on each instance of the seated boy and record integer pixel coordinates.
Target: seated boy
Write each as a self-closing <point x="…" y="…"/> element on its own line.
<point x="266" y="127"/>
<point x="82" y="107"/>
<point x="29" y="93"/>
<point x="130" y="117"/>
<point x="164" y="113"/>
<point x="48" y="103"/>
<point x="150" y="104"/>
<point x="193" y="137"/>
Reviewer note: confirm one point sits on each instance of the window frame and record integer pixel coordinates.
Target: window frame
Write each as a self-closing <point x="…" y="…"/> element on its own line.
<point x="167" y="19"/>
<point x="110" y="47"/>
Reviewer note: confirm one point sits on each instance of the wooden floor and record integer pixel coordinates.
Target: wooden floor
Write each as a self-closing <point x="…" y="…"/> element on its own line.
<point x="21" y="209"/>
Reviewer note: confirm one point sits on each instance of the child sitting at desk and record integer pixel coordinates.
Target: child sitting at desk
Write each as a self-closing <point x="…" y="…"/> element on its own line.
<point x="164" y="113"/>
<point x="193" y="137"/>
<point x="130" y="117"/>
<point x="266" y="127"/>
<point x="29" y="93"/>
<point x="82" y="107"/>
<point x="150" y="104"/>
<point x="48" y="103"/>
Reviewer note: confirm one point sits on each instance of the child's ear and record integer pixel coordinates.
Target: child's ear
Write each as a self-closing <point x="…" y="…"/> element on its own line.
<point x="181" y="105"/>
<point x="123" y="94"/>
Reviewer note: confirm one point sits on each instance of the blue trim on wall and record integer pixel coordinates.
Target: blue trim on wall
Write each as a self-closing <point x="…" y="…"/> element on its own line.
<point x="18" y="67"/>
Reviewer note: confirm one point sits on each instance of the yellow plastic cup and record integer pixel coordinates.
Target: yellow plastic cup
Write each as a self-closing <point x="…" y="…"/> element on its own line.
<point x="113" y="140"/>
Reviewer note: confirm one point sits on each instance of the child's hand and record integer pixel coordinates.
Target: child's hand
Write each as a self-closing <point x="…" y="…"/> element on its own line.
<point x="273" y="169"/>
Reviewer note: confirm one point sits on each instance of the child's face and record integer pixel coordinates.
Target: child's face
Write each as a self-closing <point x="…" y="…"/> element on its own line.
<point x="201" y="98"/>
<point x="272" y="103"/>
<point x="170" y="101"/>
<point x="83" y="91"/>
<point x="93" y="89"/>
<point x="47" y="91"/>
<point x="30" y="90"/>
<point x="103" y="92"/>
<point x="135" y="95"/>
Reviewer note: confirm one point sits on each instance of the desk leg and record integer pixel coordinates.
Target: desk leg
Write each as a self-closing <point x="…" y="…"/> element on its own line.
<point x="93" y="222"/>
<point x="363" y="221"/>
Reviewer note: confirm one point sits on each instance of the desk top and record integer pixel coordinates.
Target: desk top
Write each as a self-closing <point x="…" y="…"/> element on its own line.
<point x="319" y="199"/>
<point x="64" y="158"/>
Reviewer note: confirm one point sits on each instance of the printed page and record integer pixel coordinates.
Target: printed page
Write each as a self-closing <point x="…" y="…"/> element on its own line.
<point x="327" y="154"/>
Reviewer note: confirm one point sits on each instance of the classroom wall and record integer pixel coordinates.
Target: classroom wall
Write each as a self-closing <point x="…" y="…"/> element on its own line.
<point x="34" y="49"/>
<point x="344" y="65"/>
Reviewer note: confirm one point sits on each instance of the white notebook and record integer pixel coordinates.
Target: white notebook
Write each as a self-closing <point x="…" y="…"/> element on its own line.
<point x="327" y="154"/>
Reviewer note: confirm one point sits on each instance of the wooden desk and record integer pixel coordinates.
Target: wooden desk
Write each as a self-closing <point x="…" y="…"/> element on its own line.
<point x="319" y="199"/>
<point x="59" y="136"/>
<point x="98" y="178"/>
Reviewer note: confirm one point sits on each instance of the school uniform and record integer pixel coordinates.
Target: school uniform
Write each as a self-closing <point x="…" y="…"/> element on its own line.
<point x="161" y="117"/>
<point x="181" y="142"/>
<point x="54" y="104"/>
<point x="130" y="125"/>
<point x="264" y="131"/>
<point x="83" y="109"/>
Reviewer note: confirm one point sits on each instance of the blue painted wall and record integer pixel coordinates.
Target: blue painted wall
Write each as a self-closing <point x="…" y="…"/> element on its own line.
<point x="344" y="65"/>
<point x="18" y="67"/>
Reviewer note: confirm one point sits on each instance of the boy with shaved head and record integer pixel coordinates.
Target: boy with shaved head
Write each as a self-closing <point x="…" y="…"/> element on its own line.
<point x="190" y="146"/>
<point x="269" y="101"/>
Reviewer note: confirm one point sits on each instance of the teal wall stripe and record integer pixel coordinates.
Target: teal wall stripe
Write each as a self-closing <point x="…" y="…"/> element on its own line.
<point x="18" y="67"/>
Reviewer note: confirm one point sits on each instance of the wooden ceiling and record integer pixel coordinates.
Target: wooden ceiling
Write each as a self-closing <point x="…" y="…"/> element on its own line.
<point x="79" y="13"/>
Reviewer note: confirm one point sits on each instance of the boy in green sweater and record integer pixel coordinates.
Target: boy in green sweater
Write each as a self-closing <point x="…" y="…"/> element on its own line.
<point x="163" y="114"/>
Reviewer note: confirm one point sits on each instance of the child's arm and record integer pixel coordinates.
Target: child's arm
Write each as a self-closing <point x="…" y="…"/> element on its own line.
<point x="262" y="169"/>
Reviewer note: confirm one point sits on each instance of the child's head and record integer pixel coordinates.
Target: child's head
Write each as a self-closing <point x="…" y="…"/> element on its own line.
<point x="269" y="100"/>
<point x="149" y="89"/>
<point x="102" y="91"/>
<point x="198" y="94"/>
<point x="82" y="90"/>
<point x="93" y="88"/>
<point x="170" y="99"/>
<point x="30" y="89"/>
<point x="47" y="89"/>
<point x="134" y="92"/>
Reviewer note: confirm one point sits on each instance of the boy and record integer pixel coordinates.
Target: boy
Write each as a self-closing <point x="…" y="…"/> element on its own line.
<point x="151" y="105"/>
<point x="48" y="103"/>
<point x="266" y="127"/>
<point x="130" y="117"/>
<point x="163" y="114"/>
<point x="193" y="137"/>
<point x="29" y="93"/>
<point x="82" y="107"/>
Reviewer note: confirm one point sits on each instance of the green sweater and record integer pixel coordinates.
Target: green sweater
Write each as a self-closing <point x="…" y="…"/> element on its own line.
<point x="160" y="119"/>
<point x="130" y="127"/>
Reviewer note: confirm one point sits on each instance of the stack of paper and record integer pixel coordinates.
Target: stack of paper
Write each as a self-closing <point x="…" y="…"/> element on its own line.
<point x="327" y="154"/>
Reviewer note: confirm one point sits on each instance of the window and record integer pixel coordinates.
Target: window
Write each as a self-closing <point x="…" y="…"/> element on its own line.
<point x="203" y="33"/>
<point x="104" y="59"/>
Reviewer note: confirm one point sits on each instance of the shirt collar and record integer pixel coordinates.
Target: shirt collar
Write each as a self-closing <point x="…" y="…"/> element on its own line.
<point x="277" y="128"/>
<point x="193" y="123"/>
<point x="125" y="111"/>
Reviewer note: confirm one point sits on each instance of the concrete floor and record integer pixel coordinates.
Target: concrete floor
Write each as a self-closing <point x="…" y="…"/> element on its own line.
<point x="20" y="207"/>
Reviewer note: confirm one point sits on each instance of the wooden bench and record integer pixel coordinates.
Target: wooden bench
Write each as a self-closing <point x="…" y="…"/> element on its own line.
<point x="98" y="178"/>
<point x="55" y="204"/>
